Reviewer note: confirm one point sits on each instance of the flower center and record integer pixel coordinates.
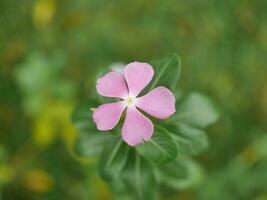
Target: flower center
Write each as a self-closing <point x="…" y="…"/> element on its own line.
<point x="130" y="101"/>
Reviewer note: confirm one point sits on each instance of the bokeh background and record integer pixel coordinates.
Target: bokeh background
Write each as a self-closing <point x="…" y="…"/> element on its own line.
<point x="51" y="50"/>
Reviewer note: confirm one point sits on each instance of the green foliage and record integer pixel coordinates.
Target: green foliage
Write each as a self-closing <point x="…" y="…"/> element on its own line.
<point x="90" y="141"/>
<point x="113" y="159"/>
<point x="123" y="166"/>
<point x="82" y="117"/>
<point x="180" y="174"/>
<point x="162" y="148"/>
<point x="189" y="140"/>
<point x="139" y="178"/>
<point x="167" y="72"/>
<point x="242" y="177"/>
<point x="198" y="110"/>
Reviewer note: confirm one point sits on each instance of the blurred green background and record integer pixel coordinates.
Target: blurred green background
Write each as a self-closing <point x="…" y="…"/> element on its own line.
<point x="50" y="51"/>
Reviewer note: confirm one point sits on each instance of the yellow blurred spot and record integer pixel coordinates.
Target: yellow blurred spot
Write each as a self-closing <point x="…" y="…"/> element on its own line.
<point x="38" y="181"/>
<point x="248" y="155"/>
<point x="6" y="174"/>
<point x="54" y="122"/>
<point x="100" y="189"/>
<point x="43" y="132"/>
<point x="43" y="12"/>
<point x="262" y="196"/>
<point x="253" y="152"/>
<point x="224" y="85"/>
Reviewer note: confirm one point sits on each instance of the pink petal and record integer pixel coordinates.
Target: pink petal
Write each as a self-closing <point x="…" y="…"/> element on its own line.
<point x="112" y="85"/>
<point x="136" y="128"/>
<point x="108" y="115"/>
<point x="159" y="103"/>
<point x="138" y="75"/>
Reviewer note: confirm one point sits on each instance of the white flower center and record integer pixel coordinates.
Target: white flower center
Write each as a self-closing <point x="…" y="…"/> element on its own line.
<point x="130" y="101"/>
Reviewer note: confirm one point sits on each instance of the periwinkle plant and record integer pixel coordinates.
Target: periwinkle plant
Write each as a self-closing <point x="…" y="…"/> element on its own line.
<point x="145" y="153"/>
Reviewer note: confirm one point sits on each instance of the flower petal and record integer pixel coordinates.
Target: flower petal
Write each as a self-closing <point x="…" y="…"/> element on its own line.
<point x="112" y="84"/>
<point x="136" y="127"/>
<point x="107" y="116"/>
<point x="159" y="103"/>
<point x="138" y="75"/>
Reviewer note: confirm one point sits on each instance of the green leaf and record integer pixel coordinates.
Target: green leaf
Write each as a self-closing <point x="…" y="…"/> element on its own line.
<point x="167" y="72"/>
<point x="162" y="148"/>
<point x="90" y="141"/>
<point x="113" y="159"/>
<point x="180" y="174"/>
<point x="139" y="177"/>
<point x="82" y="115"/>
<point x="189" y="140"/>
<point x="198" y="110"/>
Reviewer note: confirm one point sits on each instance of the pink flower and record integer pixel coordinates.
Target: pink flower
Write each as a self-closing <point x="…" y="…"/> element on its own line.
<point x="137" y="128"/>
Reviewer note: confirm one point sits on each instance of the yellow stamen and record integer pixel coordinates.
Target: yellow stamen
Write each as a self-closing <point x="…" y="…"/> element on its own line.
<point x="130" y="100"/>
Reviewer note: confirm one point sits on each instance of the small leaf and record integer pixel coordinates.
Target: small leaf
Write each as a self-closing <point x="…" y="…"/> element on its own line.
<point x="167" y="72"/>
<point x="113" y="159"/>
<point x="161" y="148"/>
<point x="139" y="177"/>
<point x="90" y="141"/>
<point x="82" y="115"/>
<point x="180" y="174"/>
<point x="189" y="140"/>
<point x="198" y="110"/>
<point x="92" y="144"/>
